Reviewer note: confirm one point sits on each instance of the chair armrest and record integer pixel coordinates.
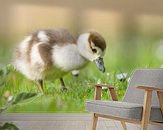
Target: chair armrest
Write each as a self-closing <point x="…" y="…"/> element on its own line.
<point x="101" y="85"/>
<point x="150" y="88"/>
<point x="98" y="91"/>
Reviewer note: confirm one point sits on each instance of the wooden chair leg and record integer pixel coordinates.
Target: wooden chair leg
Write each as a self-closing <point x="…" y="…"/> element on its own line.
<point x="146" y="109"/>
<point x="94" y="123"/>
<point x="124" y="125"/>
<point x="160" y="98"/>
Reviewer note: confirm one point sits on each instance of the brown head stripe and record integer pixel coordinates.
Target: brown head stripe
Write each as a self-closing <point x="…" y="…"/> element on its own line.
<point x="98" y="40"/>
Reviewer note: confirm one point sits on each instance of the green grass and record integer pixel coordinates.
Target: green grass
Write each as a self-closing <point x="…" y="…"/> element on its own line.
<point x="120" y="57"/>
<point x="54" y="99"/>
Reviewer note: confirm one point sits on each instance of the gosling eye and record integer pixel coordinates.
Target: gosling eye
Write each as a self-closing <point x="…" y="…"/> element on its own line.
<point x="94" y="50"/>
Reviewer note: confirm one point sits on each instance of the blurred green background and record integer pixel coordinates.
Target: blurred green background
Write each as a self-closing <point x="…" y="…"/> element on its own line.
<point x="133" y="31"/>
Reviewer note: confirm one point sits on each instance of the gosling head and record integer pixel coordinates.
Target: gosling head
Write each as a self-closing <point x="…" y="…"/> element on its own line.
<point x="92" y="46"/>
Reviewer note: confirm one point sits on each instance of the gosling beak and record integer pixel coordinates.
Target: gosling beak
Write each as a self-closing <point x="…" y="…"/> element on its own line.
<point x="100" y="64"/>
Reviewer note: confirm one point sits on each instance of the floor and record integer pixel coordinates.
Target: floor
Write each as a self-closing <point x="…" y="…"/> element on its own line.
<point x="59" y="122"/>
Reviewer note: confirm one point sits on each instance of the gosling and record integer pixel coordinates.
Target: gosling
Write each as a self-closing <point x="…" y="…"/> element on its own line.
<point x="50" y="54"/>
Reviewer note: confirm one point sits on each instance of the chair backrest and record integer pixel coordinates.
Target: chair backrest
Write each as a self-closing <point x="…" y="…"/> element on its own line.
<point x="147" y="77"/>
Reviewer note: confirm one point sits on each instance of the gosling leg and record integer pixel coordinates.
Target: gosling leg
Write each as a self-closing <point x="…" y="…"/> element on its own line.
<point x="63" y="87"/>
<point x="40" y="86"/>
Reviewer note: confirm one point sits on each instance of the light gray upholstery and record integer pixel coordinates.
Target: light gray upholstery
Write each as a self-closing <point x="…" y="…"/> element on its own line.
<point x="132" y="105"/>
<point x="148" y="77"/>
<point x="116" y="109"/>
<point x="124" y="110"/>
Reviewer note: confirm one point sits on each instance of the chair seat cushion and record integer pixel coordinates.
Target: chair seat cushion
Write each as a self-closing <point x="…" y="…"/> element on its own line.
<point x="131" y="111"/>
